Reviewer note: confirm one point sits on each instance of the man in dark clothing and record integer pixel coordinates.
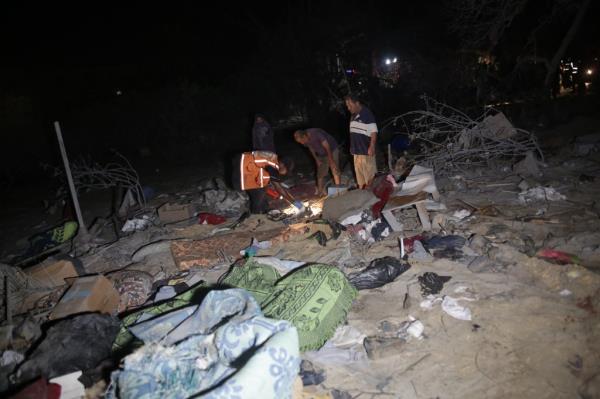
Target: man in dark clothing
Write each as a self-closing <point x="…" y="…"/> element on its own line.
<point x="325" y="151"/>
<point x="262" y="135"/>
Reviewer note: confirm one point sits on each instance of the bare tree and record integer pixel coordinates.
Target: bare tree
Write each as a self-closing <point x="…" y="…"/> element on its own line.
<point x="482" y="24"/>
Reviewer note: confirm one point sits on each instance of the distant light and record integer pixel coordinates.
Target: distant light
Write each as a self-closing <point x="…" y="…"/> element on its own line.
<point x="388" y="61"/>
<point x="118" y="92"/>
<point x="589" y="71"/>
<point x="588" y="84"/>
<point x="395" y="60"/>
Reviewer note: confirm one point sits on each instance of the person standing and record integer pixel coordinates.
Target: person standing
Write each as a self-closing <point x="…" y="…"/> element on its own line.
<point x="325" y="152"/>
<point x="262" y="135"/>
<point x="363" y="139"/>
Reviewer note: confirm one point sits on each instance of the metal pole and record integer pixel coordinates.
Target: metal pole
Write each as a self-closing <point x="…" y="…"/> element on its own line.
<point x="63" y="152"/>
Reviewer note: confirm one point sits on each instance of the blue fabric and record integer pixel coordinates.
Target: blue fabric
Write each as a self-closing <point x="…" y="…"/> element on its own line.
<point x="362" y="126"/>
<point x="400" y="143"/>
<point x="222" y="348"/>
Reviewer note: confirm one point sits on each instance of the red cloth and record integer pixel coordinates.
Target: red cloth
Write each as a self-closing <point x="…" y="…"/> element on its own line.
<point x="210" y="218"/>
<point x="559" y="257"/>
<point x="410" y="241"/>
<point x="382" y="188"/>
<point x="40" y="389"/>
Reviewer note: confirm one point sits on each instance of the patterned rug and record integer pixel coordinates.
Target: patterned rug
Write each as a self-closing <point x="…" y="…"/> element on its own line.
<point x="215" y="250"/>
<point x="314" y="298"/>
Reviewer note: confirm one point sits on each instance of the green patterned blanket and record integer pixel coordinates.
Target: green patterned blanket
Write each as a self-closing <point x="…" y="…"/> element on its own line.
<point x="314" y="298"/>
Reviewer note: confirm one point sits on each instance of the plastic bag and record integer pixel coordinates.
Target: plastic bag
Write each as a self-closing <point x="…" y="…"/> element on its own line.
<point x="380" y="272"/>
<point x="432" y="283"/>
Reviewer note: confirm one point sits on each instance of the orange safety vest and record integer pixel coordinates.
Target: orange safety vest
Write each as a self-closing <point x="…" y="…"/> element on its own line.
<point x="252" y="169"/>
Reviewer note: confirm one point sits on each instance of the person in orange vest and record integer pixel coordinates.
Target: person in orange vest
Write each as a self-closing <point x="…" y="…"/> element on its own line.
<point x="258" y="173"/>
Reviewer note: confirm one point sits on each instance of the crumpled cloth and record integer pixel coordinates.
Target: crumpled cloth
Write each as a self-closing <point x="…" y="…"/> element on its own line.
<point x="222" y="348"/>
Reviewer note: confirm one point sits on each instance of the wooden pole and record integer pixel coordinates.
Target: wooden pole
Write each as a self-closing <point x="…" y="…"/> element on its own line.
<point x="63" y="153"/>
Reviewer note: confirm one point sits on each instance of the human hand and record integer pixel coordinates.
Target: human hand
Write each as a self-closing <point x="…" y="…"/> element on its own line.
<point x="371" y="151"/>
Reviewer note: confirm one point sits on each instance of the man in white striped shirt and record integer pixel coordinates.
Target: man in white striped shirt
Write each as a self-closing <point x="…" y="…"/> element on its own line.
<point x="363" y="138"/>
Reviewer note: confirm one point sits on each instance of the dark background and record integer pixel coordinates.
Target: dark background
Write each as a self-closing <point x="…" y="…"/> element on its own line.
<point x="177" y="84"/>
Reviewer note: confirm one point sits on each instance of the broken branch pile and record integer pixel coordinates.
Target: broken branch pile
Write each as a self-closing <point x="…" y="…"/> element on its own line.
<point x="451" y="141"/>
<point x="88" y="175"/>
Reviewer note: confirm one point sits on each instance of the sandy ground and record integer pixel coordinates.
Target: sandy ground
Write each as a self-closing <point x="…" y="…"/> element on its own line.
<point x="535" y="328"/>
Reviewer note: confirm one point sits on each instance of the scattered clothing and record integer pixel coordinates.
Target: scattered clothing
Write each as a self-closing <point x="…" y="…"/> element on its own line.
<point x="314" y="298"/>
<point x="380" y="230"/>
<point x="125" y="342"/>
<point x="409" y="241"/>
<point x="310" y="374"/>
<point x="210" y="218"/>
<point x="558" y="257"/>
<point x="540" y="194"/>
<point x="419" y="252"/>
<point x="39" y="389"/>
<point x="66" y="347"/>
<point x="443" y="242"/>
<point x="345" y="348"/>
<point x="449" y="247"/>
<point x="283" y="266"/>
<point x="453" y="308"/>
<point x="432" y="283"/>
<point x="255" y="247"/>
<point x="383" y="188"/>
<point x="49" y="239"/>
<point x="222" y="348"/>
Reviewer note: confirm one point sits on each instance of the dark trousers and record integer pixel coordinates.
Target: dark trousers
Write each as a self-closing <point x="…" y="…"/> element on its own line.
<point x="259" y="202"/>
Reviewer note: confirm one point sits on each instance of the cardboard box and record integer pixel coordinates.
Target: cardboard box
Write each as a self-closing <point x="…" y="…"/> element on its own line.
<point x="171" y="213"/>
<point x="52" y="274"/>
<point x="88" y="294"/>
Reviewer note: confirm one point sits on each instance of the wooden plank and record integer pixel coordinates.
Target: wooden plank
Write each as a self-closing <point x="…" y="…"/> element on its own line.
<point x="404" y="201"/>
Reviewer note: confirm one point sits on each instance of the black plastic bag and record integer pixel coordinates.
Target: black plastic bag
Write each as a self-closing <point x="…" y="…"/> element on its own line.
<point x="78" y="343"/>
<point x="432" y="283"/>
<point x="380" y="272"/>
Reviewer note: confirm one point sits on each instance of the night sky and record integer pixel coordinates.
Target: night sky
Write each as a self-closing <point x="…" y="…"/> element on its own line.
<point x="68" y="62"/>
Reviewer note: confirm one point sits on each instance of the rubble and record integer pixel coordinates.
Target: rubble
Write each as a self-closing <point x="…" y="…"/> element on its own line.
<point x="379" y="302"/>
<point x="451" y="141"/>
